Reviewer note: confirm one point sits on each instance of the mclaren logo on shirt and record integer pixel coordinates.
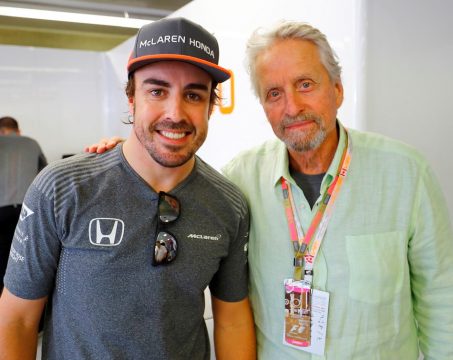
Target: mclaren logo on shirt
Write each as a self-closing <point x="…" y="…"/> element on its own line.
<point x="106" y="231"/>
<point x="204" y="237"/>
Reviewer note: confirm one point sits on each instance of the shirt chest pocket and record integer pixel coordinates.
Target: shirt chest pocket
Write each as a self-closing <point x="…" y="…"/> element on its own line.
<point x="377" y="266"/>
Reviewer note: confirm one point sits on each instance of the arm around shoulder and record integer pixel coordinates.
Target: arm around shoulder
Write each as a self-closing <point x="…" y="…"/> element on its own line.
<point x="234" y="330"/>
<point x="19" y="320"/>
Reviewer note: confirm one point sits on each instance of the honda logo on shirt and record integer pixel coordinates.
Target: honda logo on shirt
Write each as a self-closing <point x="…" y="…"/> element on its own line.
<point x="106" y="231"/>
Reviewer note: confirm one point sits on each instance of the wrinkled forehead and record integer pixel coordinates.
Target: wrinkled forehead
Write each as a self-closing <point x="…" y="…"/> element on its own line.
<point x="288" y="60"/>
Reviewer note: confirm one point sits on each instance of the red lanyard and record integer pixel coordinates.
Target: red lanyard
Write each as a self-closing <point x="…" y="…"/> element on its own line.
<point x="318" y="226"/>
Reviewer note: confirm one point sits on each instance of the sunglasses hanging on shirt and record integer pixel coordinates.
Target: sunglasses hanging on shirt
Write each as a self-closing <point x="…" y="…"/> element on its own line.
<point x="168" y="211"/>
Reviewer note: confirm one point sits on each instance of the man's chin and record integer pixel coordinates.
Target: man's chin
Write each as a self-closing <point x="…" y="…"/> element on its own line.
<point x="307" y="143"/>
<point x="172" y="161"/>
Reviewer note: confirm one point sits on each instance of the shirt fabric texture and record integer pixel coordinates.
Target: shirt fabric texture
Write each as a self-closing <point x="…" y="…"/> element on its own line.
<point x="386" y="258"/>
<point x="87" y="240"/>
<point x="21" y="159"/>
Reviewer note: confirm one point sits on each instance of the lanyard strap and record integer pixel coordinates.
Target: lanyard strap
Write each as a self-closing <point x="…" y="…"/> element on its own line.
<point x="318" y="226"/>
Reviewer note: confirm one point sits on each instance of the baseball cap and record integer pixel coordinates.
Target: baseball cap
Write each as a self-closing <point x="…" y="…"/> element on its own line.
<point x="177" y="39"/>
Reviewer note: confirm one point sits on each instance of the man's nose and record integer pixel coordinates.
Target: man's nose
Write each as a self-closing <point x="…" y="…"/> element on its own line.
<point x="294" y="103"/>
<point x="175" y="110"/>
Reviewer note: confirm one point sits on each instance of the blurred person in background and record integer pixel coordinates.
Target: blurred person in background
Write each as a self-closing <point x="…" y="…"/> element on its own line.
<point x="21" y="158"/>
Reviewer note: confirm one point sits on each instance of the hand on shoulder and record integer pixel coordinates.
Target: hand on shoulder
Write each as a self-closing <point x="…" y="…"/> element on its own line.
<point x="104" y="145"/>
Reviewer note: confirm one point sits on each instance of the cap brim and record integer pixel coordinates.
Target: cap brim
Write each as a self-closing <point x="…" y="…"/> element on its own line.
<point x="218" y="73"/>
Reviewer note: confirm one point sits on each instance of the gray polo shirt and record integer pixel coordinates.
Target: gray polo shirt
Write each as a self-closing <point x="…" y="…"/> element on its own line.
<point x="86" y="240"/>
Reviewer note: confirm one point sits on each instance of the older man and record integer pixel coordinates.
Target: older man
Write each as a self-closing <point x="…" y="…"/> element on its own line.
<point x="353" y="221"/>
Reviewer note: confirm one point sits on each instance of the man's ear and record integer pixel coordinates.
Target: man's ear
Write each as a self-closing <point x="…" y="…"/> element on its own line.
<point x="131" y="103"/>
<point x="338" y="93"/>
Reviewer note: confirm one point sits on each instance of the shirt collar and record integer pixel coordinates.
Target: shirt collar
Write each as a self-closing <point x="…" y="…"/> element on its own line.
<point x="281" y="167"/>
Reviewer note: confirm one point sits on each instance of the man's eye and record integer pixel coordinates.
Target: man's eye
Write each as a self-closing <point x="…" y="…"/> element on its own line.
<point x="305" y="85"/>
<point x="273" y="94"/>
<point x="156" y="92"/>
<point x="193" y="97"/>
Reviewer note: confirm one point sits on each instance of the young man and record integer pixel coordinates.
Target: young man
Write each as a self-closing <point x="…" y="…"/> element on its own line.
<point x="122" y="246"/>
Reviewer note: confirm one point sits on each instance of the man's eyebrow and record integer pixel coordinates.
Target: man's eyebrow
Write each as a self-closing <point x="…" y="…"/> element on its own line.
<point x="196" y="86"/>
<point x="158" y="82"/>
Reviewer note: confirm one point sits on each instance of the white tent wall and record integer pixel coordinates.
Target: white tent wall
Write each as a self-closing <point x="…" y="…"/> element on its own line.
<point x="409" y="77"/>
<point x="56" y="96"/>
<point x="116" y="105"/>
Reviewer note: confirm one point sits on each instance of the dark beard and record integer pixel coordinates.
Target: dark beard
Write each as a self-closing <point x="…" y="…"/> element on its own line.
<point x="168" y="156"/>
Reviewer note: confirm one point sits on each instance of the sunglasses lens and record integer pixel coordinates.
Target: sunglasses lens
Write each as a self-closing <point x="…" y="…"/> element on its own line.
<point x="168" y="208"/>
<point x="166" y="245"/>
<point x="165" y="248"/>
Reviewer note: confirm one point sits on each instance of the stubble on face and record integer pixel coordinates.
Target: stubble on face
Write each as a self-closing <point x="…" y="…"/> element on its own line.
<point x="171" y="109"/>
<point x="302" y="140"/>
<point x="170" y="155"/>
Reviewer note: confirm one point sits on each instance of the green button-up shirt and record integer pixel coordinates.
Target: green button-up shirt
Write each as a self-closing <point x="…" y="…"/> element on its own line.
<point x="386" y="258"/>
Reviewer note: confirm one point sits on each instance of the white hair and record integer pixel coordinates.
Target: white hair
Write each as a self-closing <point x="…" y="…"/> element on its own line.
<point x="261" y="39"/>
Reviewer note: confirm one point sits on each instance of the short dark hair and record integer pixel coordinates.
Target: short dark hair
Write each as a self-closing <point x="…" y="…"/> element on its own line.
<point x="8" y="122"/>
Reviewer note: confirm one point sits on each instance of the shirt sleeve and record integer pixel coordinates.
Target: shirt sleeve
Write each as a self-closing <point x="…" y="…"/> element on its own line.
<point x="230" y="283"/>
<point x="431" y="266"/>
<point x="42" y="162"/>
<point x="35" y="249"/>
